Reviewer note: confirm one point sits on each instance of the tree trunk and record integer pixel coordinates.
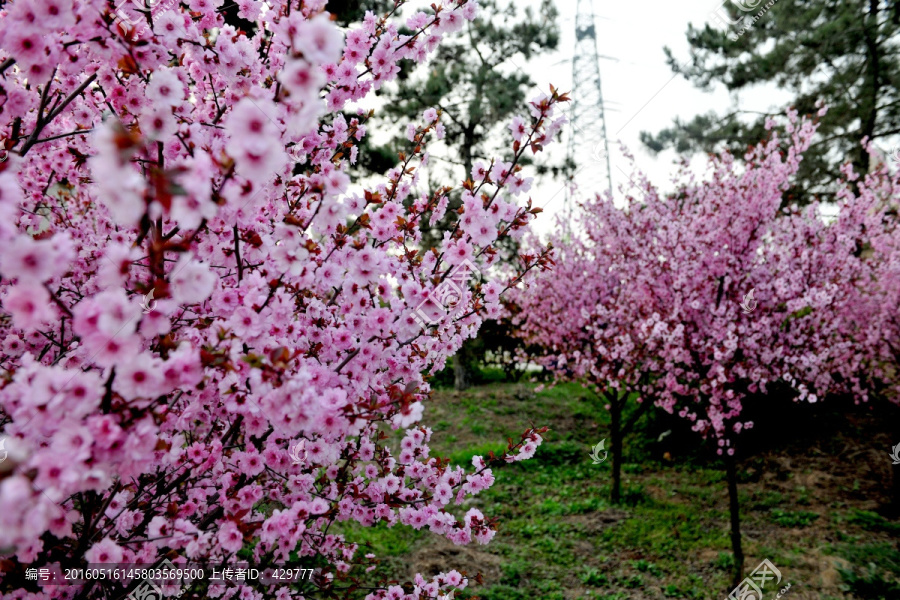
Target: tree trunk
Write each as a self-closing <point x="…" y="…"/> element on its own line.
<point x="895" y="505"/>
<point x="615" y="412"/>
<point x="871" y="89"/>
<point x="734" y="508"/>
<point x="462" y="361"/>
<point x="462" y="377"/>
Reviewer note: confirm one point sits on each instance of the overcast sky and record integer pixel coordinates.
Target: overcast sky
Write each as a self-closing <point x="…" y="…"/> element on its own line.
<point x="640" y="91"/>
<point x="638" y="86"/>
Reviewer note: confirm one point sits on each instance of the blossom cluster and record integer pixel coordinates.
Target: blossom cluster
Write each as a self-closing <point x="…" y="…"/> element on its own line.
<point x="212" y="167"/>
<point x="649" y="298"/>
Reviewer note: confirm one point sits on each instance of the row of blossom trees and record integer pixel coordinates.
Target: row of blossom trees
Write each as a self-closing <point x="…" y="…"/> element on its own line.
<point x="240" y="409"/>
<point x="701" y="300"/>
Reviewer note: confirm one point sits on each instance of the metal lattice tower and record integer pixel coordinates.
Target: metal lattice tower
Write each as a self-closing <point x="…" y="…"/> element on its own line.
<point x="588" y="148"/>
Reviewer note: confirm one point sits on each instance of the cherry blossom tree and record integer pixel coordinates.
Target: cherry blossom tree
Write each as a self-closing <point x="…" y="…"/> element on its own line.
<point x="206" y="324"/>
<point x="586" y="319"/>
<point x="873" y="307"/>
<point x="749" y="297"/>
<point x="702" y="299"/>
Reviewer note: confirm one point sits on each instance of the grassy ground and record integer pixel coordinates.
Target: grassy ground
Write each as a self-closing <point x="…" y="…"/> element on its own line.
<point x="809" y="503"/>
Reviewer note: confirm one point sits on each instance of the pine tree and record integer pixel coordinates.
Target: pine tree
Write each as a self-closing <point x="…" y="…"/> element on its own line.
<point x="843" y="52"/>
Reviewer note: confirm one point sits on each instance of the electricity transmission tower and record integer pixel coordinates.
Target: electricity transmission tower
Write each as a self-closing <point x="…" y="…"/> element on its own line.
<point x="588" y="148"/>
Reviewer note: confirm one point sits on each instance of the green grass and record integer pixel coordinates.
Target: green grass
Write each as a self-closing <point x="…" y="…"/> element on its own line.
<point x="793" y="519"/>
<point x="381" y="539"/>
<point x="872" y="571"/>
<point x="593" y="577"/>
<point x="464" y="456"/>
<point x="870" y="583"/>
<point x="560" y="538"/>
<point x="872" y="522"/>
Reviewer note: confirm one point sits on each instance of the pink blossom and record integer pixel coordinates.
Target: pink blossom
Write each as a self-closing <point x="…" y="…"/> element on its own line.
<point x="301" y="77"/>
<point x="28" y="260"/>
<point x="319" y="40"/>
<point x="192" y="281"/>
<point x="29" y="304"/>
<point x="254" y="140"/>
<point x="104" y="551"/>
<point x="518" y="128"/>
<point x="230" y="537"/>
<point x="158" y="123"/>
<point x="139" y="378"/>
<point x="165" y="89"/>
